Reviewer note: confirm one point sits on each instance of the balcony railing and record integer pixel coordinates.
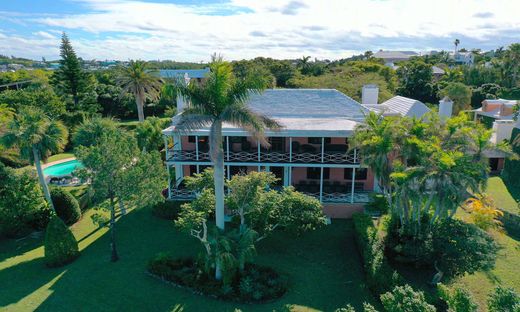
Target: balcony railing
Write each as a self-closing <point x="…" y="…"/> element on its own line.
<point x="267" y="157"/>
<point x="359" y="197"/>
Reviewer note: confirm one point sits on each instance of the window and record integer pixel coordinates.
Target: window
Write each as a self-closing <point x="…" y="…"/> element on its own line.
<point x="314" y="173"/>
<point x="361" y="174"/>
<point x="193" y="169"/>
<point x="191" y="138"/>
<point x="236" y="139"/>
<point x="238" y="170"/>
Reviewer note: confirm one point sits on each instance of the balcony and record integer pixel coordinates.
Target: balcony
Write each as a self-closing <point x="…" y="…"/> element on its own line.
<point x="267" y="157"/>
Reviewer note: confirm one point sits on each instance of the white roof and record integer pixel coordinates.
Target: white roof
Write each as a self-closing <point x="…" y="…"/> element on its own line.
<point x="304" y="112"/>
<point x="400" y="105"/>
<point x="437" y="70"/>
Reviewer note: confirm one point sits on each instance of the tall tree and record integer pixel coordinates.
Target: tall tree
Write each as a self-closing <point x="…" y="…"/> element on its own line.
<point x="69" y="78"/>
<point x="117" y="169"/>
<point x="137" y="80"/>
<point x="456" y="43"/>
<point x="459" y="93"/>
<point x="37" y="137"/>
<point x="416" y="81"/>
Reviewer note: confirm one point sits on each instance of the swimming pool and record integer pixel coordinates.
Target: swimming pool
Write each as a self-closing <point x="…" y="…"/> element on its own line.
<point x="63" y="168"/>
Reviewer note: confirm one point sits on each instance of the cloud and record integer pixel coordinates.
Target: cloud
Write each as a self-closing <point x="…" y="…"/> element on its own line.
<point x="106" y="29"/>
<point x="483" y="15"/>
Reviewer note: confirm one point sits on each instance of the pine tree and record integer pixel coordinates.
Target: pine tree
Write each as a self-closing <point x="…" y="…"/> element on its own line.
<point x="69" y="78"/>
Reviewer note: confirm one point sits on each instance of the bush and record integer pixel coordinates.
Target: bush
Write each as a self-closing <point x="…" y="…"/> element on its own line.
<point x="22" y="205"/>
<point x="61" y="246"/>
<point x="377" y="205"/>
<point x="405" y="299"/>
<point x="168" y="210"/>
<point x="379" y="275"/>
<point x="458" y="299"/>
<point x="460" y="248"/>
<point x="504" y="300"/>
<point x="66" y="205"/>
<point x="255" y="284"/>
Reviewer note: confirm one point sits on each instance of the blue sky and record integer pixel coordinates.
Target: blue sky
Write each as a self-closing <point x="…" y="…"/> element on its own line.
<point x="191" y="30"/>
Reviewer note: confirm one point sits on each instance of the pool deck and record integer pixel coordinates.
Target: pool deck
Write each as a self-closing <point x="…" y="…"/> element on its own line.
<point x="57" y="162"/>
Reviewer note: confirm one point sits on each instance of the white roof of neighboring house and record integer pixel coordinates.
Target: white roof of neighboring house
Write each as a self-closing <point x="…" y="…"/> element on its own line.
<point x="495" y="114"/>
<point x="304" y="112"/>
<point x="438" y="71"/>
<point x="400" y="106"/>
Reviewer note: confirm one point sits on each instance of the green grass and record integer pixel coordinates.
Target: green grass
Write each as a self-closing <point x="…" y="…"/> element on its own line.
<point x="507" y="269"/>
<point x="59" y="157"/>
<point x="323" y="268"/>
<point x="504" y="198"/>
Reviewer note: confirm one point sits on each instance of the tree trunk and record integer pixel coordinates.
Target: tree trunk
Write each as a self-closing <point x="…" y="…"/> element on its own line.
<point x="139" y="101"/>
<point x="121" y="206"/>
<point x="219" y="177"/>
<point x="41" y="177"/>
<point x="114" y="257"/>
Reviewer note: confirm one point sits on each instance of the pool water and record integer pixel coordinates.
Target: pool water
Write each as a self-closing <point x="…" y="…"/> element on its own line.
<point x="62" y="168"/>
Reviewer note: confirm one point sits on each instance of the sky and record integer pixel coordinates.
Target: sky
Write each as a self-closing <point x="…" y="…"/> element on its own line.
<point x="192" y="30"/>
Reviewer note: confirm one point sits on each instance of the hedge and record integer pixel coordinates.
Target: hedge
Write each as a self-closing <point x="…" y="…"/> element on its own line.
<point x="61" y="246"/>
<point x="512" y="167"/>
<point x="66" y="205"/>
<point x="380" y="276"/>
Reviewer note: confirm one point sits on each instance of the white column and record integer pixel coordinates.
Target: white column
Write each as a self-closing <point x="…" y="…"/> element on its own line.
<point x="286" y="177"/>
<point x="227" y="148"/>
<point x="321" y="185"/>
<point x="290" y="149"/>
<point x="168" y="167"/>
<point x="290" y="175"/>
<point x="197" y="151"/>
<point x="179" y="170"/>
<point x="352" y="187"/>
<point x="322" y="148"/>
<point x="355" y="155"/>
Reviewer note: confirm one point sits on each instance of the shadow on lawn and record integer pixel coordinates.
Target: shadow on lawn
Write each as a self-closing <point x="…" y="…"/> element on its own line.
<point x="323" y="268"/>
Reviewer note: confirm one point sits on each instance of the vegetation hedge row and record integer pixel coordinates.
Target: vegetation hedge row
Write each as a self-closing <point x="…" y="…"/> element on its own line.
<point x="379" y="275"/>
<point x="256" y="284"/>
<point x="511" y="172"/>
<point x="66" y="205"/>
<point x="61" y="246"/>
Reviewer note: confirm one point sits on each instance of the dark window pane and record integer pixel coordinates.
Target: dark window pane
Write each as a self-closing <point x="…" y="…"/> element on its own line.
<point x="191" y="138"/>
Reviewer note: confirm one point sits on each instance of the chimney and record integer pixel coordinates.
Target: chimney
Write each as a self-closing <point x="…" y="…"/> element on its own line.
<point x="445" y="108"/>
<point x="369" y="94"/>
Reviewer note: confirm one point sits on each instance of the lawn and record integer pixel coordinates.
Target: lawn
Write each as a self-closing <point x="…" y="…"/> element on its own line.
<point x="507" y="270"/>
<point x="59" y="157"/>
<point x="323" y="268"/>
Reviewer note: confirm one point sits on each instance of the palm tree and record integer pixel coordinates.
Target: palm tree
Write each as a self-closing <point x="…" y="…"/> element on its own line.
<point x="36" y="136"/>
<point x="456" y="43"/>
<point x="374" y="139"/>
<point x="303" y="64"/>
<point x="136" y="79"/>
<point x="221" y="98"/>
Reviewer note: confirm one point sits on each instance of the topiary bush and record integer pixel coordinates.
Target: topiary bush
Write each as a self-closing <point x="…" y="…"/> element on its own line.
<point x="61" y="246"/>
<point x="66" y="205"/>
<point x="405" y="299"/>
<point x="504" y="300"/>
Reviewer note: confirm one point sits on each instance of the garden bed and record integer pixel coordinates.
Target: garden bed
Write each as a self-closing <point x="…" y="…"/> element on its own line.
<point x="257" y="284"/>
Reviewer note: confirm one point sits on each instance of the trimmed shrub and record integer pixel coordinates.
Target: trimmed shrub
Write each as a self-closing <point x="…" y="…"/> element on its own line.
<point x="405" y="299"/>
<point x="511" y="170"/>
<point x="379" y="275"/>
<point x="458" y="299"/>
<point x="66" y="205"/>
<point x="378" y="205"/>
<point x="503" y="300"/>
<point x="61" y="246"/>
<point x="168" y="209"/>
<point x="255" y="284"/>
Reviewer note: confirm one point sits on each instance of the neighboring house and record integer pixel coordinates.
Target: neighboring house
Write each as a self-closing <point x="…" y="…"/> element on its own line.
<point x="391" y="57"/>
<point x="198" y="74"/>
<point x="463" y="58"/>
<point x="310" y="152"/>
<point x="497" y="114"/>
<point x="396" y="106"/>
<point x="437" y="72"/>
